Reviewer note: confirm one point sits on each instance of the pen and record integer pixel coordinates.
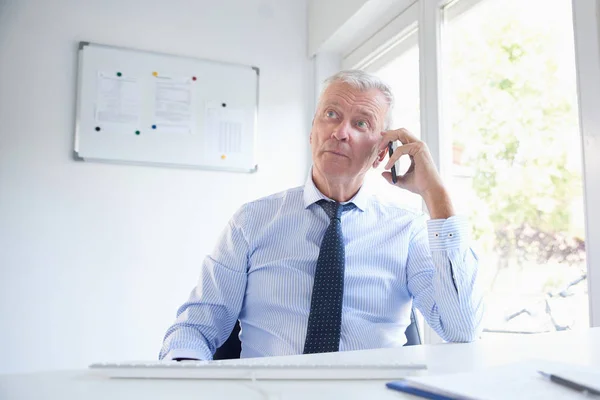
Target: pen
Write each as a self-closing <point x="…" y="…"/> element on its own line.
<point x="391" y="151"/>
<point x="424" y="391"/>
<point x="570" y="384"/>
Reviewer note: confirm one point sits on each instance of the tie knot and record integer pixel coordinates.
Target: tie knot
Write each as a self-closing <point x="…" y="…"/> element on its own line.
<point x="333" y="209"/>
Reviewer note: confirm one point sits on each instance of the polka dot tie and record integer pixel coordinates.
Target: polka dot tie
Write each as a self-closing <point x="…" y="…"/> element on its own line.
<point x="325" y="318"/>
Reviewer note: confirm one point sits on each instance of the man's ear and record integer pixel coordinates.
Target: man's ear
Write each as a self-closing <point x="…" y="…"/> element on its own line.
<point x="379" y="158"/>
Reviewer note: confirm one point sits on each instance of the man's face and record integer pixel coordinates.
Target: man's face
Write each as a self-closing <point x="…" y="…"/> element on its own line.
<point x="347" y="130"/>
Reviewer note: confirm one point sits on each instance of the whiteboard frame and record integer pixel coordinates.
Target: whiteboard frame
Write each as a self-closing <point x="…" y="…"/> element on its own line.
<point x="77" y="157"/>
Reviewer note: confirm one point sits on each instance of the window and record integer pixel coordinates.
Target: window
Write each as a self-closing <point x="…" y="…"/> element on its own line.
<point x="507" y="90"/>
<point x="510" y="100"/>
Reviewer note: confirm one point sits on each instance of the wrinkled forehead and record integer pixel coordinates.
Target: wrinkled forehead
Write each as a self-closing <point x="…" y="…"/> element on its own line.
<point x="343" y="95"/>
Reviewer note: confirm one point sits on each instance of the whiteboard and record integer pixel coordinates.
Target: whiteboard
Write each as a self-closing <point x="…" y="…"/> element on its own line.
<point x="140" y="107"/>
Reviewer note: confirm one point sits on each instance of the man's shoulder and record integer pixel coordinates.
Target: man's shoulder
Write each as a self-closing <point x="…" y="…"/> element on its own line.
<point x="394" y="208"/>
<point x="403" y="217"/>
<point x="253" y="216"/>
<point x="270" y="204"/>
<point x="293" y="194"/>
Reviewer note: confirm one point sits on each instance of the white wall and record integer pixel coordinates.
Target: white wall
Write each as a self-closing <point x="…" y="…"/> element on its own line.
<point x="94" y="258"/>
<point x="326" y="17"/>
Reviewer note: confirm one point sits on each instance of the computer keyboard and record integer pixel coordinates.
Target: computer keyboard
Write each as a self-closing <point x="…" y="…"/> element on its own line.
<point x="262" y="369"/>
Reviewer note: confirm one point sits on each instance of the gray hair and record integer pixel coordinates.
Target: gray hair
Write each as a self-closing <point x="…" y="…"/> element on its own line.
<point x="363" y="81"/>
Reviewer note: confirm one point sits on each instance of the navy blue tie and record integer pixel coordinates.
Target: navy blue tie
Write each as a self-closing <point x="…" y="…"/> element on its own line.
<point x="325" y="318"/>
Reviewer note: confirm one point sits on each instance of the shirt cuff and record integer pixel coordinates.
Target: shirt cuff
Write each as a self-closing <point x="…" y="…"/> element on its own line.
<point x="186" y="353"/>
<point x="448" y="234"/>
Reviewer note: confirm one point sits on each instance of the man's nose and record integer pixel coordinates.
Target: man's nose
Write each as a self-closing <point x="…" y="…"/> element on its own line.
<point x="342" y="131"/>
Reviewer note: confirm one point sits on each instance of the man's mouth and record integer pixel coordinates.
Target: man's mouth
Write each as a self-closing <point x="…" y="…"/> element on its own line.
<point x="337" y="153"/>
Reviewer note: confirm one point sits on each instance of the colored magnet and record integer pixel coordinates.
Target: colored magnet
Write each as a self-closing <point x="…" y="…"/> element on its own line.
<point x="153" y="126"/>
<point x="223" y="157"/>
<point x="137" y="132"/>
<point x="97" y="129"/>
<point x="224" y="104"/>
<point x="119" y="74"/>
<point x="155" y="73"/>
<point x="193" y="78"/>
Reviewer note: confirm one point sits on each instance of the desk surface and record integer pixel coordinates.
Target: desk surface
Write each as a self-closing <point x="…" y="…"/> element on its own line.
<point x="577" y="347"/>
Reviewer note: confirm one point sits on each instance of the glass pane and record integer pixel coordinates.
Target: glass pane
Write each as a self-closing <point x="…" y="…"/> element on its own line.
<point x="401" y="72"/>
<point x="511" y="104"/>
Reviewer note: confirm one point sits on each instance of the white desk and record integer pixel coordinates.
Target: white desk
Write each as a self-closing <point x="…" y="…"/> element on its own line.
<point x="579" y="347"/>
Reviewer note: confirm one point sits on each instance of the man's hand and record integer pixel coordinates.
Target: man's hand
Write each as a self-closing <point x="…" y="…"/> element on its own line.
<point x="422" y="176"/>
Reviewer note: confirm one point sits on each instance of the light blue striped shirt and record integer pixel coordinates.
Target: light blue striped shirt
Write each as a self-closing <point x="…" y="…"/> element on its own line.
<point x="262" y="268"/>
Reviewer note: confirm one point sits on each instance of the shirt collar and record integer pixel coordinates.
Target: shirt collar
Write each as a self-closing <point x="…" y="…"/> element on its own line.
<point x="312" y="194"/>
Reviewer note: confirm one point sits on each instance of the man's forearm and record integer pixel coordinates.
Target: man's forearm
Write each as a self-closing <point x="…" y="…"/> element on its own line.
<point x="438" y="203"/>
<point x="451" y="299"/>
<point x="456" y="293"/>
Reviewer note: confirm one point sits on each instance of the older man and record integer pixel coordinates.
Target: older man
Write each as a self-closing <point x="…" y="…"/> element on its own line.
<point x="326" y="266"/>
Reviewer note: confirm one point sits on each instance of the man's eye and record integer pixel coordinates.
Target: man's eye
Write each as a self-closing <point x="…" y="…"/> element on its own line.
<point x="362" y="124"/>
<point x="331" y="114"/>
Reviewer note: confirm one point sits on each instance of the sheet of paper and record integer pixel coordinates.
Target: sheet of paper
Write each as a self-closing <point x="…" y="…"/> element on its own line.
<point x="514" y="381"/>
<point x="173" y="104"/>
<point x="118" y="100"/>
<point x="223" y="129"/>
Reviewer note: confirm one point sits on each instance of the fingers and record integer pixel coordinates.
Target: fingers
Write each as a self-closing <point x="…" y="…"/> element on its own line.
<point x="403" y="135"/>
<point x="410" y="149"/>
<point x="400" y="182"/>
<point x="388" y="177"/>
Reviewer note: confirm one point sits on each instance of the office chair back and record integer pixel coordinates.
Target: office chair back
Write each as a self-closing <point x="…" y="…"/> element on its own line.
<point x="232" y="347"/>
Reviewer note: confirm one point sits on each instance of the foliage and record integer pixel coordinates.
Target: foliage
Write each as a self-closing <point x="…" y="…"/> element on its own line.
<point x="514" y="108"/>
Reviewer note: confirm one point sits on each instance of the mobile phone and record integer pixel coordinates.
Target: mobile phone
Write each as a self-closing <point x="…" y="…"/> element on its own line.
<point x="391" y="147"/>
